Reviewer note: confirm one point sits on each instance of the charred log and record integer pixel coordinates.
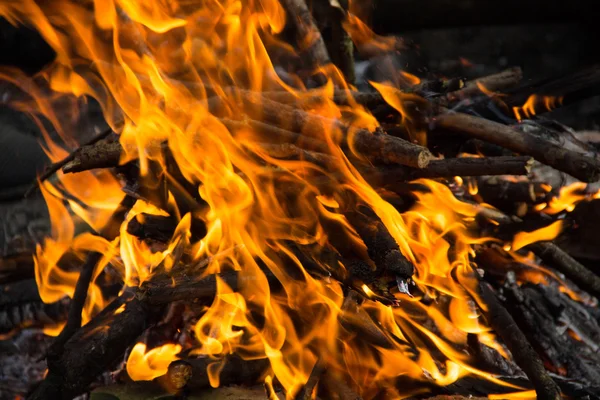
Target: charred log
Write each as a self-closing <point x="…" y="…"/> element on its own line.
<point x="575" y="164"/>
<point x="522" y="351"/>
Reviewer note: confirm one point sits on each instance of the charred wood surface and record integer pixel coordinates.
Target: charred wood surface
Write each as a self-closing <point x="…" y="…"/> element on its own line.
<point x="92" y="351"/>
<point x="523" y="353"/>
<point x="575" y="164"/>
<point x="381" y="246"/>
<point x="21" y="306"/>
<point x="558" y="259"/>
<point x="161" y="228"/>
<point x="549" y="318"/>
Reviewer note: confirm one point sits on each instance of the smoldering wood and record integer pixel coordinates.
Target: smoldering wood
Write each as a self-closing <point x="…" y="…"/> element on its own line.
<point x="373" y="145"/>
<point x="497" y="191"/>
<point x="541" y="311"/>
<point x="449" y="168"/>
<point x="569" y="88"/>
<point x="276" y="134"/>
<point x="289" y="151"/>
<point x="79" y="296"/>
<point x="313" y="379"/>
<point x="21" y="306"/>
<point x="102" y="154"/>
<point x="58" y="165"/>
<point x="235" y="371"/>
<point x="91" y="352"/>
<point x="337" y="387"/>
<point x="499" y="82"/>
<point x="309" y="37"/>
<point x="522" y="351"/>
<point x="381" y="246"/>
<point x="560" y="260"/>
<point x="575" y="164"/>
<point x="161" y="228"/>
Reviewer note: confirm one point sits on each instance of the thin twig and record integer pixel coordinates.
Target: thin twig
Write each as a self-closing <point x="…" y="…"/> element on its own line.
<point x="58" y="165"/>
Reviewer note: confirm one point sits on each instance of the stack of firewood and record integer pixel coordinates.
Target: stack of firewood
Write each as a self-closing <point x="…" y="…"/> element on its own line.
<point x="446" y="118"/>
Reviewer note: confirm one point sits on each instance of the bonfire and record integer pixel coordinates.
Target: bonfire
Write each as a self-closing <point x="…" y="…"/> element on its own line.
<point x="251" y="218"/>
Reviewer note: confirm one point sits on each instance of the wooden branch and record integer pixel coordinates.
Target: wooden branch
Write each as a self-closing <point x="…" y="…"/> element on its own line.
<point x="524" y="355"/>
<point x="161" y="228"/>
<point x="276" y="134"/>
<point x="497" y="190"/>
<point x="306" y="393"/>
<point x="449" y="168"/>
<point x="570" y="88"/>
<point x="308" y="35"/>
<point x="381" y="246"/>
<point x="336" y="386"/>
<point x="99" y="155"/>
<point x="499" y="82"/>
<point x="376" y="146"/>
<point x="77" y="303"/>
<point x="235" y="371"/>
<point x="575" y="164"/>
<point x="90" y="352"/>
<point x="289" y="151"/>
<point x="58" y="165"/>
<point x="557" y="258"/>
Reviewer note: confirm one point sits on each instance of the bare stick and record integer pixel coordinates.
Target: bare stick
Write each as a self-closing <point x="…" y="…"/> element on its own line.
<point x="374" y="145"/>
<point x="524" y="355"/>
<point x="98" y="155"/>
<point x="58" y="165"/>
<point x="557" y="258"/>
<point x="77" y="303"/>
<point x="575" y="164"/>
<point x="308" y="35"/>
<point x="493" y="83"/>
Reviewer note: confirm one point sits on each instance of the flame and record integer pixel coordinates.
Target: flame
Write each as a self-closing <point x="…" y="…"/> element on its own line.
<point x="546" y="233"/>
<point x="145" y="365"/>
<point x="366" y="40"/>
<point x="189" y="76"/>
<point x="534" y="104"/>
<point x="568" y="197"/>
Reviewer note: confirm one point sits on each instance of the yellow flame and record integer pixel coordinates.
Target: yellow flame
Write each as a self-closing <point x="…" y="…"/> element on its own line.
<point x="534" y="104"/>
<point x="175" y="75"/>
<point x="145" y="365"/>
<point x="546" y="233"/>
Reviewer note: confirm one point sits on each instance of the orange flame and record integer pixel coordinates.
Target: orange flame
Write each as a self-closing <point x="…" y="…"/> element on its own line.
<point x="534" y="104"/>
<point x="175" y="74"/>
<point x="145" y="365"/>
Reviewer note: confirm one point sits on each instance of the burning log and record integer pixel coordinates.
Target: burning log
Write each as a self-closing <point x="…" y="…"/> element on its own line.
<point x="235" y="370"/>
<point x="575" y="164"/>
<point x="381" y="246"/>
<point x="102" y="154"/>
<point x="492" y="83"/>
<point x="540" y="311"/>
<point x="555" y="257"/>
<point x="449" y="168"/>
<point x="161" y="228"/>
<point x="93" y="349"/>
<point x="569" y="89"/>
<point x="56" y="166"/>
<point x="308" y="35"/>
<point x="499" y="191"/>
<point x="21" y="306"/>
<point x="375" y="146"/>
<point x="524" y="355"/>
